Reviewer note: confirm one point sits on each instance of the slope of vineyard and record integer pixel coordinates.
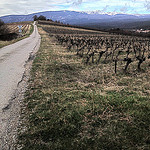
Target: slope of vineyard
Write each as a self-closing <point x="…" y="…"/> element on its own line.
<point x="13" y="34"/>
<point x="13" y="28"/>
<point x="88" y="90"/>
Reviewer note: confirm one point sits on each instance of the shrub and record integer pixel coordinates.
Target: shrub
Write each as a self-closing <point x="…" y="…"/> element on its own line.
<point x="3" y="28"/>
<point x="41" y="17"/>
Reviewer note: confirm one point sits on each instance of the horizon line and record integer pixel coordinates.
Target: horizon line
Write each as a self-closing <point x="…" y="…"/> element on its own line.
<point x="108" y="13"/>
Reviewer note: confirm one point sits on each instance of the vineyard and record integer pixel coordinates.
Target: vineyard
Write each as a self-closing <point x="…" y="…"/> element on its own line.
<point x="100" y="47"/>
<point x="89" y="90"/>
<point x="11" y="33"/>
<point x="13" y="28"/>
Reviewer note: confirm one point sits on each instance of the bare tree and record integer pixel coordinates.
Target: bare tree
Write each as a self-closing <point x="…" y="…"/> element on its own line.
<point x="41" y="17"/>
<point x="1" y="23"/>
<point x="35" y="17"/>
<point x="3" y="28"/>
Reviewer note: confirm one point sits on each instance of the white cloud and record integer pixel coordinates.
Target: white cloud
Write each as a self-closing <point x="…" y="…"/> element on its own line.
<point x="124" y="9"/>
<point x="77" y="2"/>
<point x="147" y="4"/>
<point x="30" y="6"/>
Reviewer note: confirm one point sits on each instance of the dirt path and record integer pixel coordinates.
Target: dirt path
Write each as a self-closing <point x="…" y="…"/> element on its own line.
<point x="15" y="62"/>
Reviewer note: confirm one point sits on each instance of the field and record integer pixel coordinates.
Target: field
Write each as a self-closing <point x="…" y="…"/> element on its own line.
<point x="13" y="28"/>
<point x="13" y="33"/>
<point x="88" y="90"/>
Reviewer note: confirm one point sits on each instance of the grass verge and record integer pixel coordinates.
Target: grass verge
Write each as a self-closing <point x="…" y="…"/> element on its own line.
<point x="63" y="114"/>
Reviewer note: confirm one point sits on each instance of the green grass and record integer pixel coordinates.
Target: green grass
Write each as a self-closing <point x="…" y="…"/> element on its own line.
<point x="61" y="114"/>
<point x="31" y="30"/>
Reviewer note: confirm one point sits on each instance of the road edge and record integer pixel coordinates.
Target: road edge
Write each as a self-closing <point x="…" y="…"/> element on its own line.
<point x="12" y="112"/>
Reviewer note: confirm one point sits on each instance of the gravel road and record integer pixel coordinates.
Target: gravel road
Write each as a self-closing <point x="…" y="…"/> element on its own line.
<point x="15" y="62"/>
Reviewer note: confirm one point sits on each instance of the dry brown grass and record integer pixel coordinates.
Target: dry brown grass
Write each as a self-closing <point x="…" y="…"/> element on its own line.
<point x="70" y="105"/>
<point x="101" y="77"/>
<point x="71" y="28"/>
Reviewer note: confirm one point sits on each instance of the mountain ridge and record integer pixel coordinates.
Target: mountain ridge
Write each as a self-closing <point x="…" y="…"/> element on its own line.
<point x="81" y="18"/>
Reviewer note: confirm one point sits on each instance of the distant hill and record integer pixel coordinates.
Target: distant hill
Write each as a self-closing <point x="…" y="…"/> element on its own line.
<point x="118" y="24"/>
<point x="89" y="19"/>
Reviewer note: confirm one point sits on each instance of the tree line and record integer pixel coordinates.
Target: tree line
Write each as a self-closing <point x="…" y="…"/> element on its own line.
<point x="41" y="17"/>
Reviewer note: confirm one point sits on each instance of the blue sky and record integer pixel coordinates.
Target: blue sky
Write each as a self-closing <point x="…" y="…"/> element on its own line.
<point x="8" y="7"/>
